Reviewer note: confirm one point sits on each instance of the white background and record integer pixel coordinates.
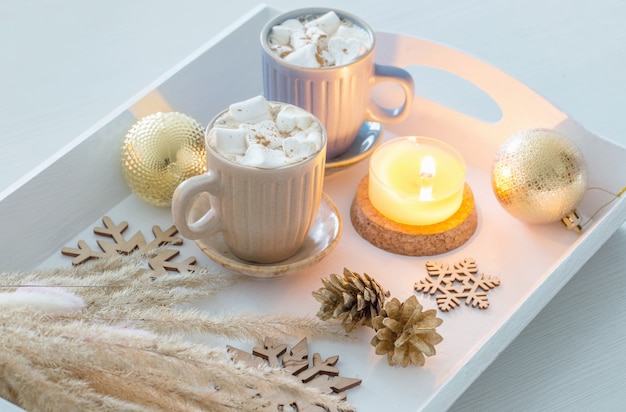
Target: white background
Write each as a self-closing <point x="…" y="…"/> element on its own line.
<point x="65" y="64"/>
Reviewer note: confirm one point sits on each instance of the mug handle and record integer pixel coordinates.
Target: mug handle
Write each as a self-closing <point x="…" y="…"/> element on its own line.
<point x="382" y="73"/>
<point x="182" y="201"/>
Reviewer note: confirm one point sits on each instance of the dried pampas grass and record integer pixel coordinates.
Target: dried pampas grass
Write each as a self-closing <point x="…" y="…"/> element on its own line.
<point x="109" y="336"/>
<point x="44" y="299"/>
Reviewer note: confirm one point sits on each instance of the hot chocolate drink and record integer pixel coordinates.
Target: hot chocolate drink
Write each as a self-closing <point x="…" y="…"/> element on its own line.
<point x="323" y="40"/>
<point x="265" y="135"/>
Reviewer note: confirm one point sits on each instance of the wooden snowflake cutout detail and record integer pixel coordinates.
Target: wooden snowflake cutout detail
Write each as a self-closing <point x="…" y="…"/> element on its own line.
<point x="321" y="374"/>
<point x="160" y="263"/>
<point x="457" y="282"/>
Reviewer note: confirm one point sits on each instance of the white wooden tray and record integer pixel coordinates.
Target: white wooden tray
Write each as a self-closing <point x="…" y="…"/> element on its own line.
<point x="62" y="200"/>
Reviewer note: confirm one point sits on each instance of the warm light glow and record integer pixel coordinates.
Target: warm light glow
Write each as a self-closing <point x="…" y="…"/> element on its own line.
<point x="416" y="181"/>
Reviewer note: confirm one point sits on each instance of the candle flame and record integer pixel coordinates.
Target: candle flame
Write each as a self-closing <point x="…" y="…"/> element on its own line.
<point x="428" y="169"/>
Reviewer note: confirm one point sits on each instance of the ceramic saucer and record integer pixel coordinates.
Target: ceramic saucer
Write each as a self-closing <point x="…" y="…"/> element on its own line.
<point x="321" y="240"/>
<point x="370" y="135"/>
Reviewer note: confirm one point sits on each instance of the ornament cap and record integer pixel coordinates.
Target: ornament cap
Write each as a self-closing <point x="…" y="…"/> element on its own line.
<point x="573" y="221"/>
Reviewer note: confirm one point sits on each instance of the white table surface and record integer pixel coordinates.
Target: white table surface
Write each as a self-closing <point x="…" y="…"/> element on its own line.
<point x="65" y="64"/>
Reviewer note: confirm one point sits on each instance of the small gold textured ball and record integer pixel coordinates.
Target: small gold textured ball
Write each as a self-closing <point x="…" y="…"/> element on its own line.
<point x="159" y="152"/>
<point x="539" y="176"/>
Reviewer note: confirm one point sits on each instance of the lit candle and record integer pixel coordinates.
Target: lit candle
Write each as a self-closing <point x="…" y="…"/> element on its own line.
<point x="416" y="180"/>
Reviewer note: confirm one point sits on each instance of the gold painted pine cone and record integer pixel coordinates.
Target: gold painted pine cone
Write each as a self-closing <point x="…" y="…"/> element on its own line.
<point x="354" y="299"/>
<point x="405" y="334"/>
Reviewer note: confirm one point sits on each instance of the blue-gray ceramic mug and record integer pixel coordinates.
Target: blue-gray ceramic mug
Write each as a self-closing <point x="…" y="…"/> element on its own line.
<point x="339" y="96"/>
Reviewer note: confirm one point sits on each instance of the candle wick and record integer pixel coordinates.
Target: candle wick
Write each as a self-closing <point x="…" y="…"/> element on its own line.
<point x="427" y="173"/>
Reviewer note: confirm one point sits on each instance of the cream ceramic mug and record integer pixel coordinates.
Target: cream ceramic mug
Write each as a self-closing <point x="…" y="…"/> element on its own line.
<point x="338" y="95"/>
<point x="264" y="213"/>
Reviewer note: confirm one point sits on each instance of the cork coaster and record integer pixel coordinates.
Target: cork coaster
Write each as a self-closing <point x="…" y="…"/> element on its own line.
<point x="411" y="240"/>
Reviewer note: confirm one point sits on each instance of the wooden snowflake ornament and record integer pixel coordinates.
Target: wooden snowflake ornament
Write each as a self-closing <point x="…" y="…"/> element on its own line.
<point x="457" y="282"/>
<point x="321" y="374"/>
<point x="160" y="263"/>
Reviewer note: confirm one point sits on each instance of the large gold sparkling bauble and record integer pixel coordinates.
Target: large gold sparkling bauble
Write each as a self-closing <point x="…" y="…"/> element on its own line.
<point x="539" y="176"/>
<point x="159" y="152"/>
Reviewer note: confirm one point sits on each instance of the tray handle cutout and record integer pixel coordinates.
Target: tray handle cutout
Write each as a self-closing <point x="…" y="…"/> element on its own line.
<point x="519" y="107"/>
<point x="509" y="94"/>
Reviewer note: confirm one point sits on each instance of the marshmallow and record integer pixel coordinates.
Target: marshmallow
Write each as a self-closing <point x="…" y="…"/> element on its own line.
<point x="305" y="56"/>
<point x="253" y="156"/>
<point x="299" y="39"/>
<point x="354" y="32"/>
<point x="297" y="148"/>
<point x="281" y="50"/>
<point x="229" y="141"/>
<point x="291" y="117"/>
<point x="326" y="57"/>
<point x="298" y="134"/>
<point x="344" y="50"/>
<point x="328" y="22"/>
<point x="251" y="111"/>
<point x="292" y="24"/>
<point x="324" y="41"/>
<point x="264" y="133"/>
<point x="317" y="37"/>
<point x="315" y="136"/>
<point x="280" y="35"/>
<point x="290" y="135"/>
<point x="260" y="156"/>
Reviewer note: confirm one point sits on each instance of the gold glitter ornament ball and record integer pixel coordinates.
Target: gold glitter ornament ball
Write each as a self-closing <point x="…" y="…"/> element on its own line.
<point x="539" y="176"/>
<point x="159" y="152"/>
